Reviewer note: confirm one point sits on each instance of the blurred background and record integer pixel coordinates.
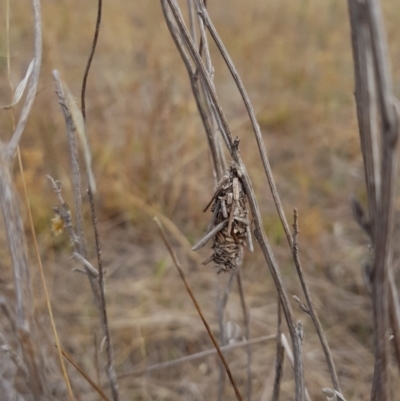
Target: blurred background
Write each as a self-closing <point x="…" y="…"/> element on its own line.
<point x="151" y="157"/>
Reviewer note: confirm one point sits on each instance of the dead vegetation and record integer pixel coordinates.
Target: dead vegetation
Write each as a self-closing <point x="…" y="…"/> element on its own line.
<point x="138" y="139"/>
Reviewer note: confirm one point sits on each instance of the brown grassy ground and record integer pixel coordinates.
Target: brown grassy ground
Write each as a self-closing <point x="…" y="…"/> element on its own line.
<point x="150" y="156"/>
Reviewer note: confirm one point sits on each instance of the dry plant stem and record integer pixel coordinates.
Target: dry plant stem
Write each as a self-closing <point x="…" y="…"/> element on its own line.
<point x="209" y="106"/>
<point x="366" y="100"/>
<point x="197" y="306"/>
<point x="201" y="45"/>
<point x="256" y="128"/>
<point x="280" y="354"/>
<point x="394" y="312"/>
<point x="112" y="376"/>
<point x="385" y="212"/>
<point x="199" y="355"/>
<point x="85" y="376"/>
<point x="33" y="82"/>
<point x="25" y="329"/>
<point x="32" y="227"/>
<point x="76" y="176"/>
<point x="192" y="20"/>
<point x="24" y="323"/>
<point x="385" y="209"/>
<point x="96" y="358"/>
<point x="209" y="235"/>
<point x="311" y="310"/>
<point x="89" y="63"/>
<point x="246" y="318"/>
<point x="259" y="230"/>
<point x="289" y="354"/>
<point x="194" y="82"/>
<point x="86" y="263"/>
<point x="222" y="301"/>
<point x="221" y="305"/>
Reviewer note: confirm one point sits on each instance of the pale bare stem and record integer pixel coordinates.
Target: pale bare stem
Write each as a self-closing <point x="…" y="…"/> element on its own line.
<point x="366" y="102"/>
<point x="91" y="55"/>
<point x="394" y="311"/>
<point x="33" y="82"/>
<point x="332" y="395"/>
<point x="245" y="179"/>
<point x="197" y="306"/>
<point x="209" y="235"/>
<point x="290" y="357"/>
<point x="192" y="20"/>
<point x="201" y="106"/>
<point x="85" y="376"/>
<point x="222" y="301"/>
<point x="246" y="318"/>
<point x="279" y="359"/>
<point x="363" y="18"/>
<point x="25" y="326"/>
<point x="199" y="355"/>
<point x="222" y="340"/>
<point x="76" y="176"/>
<point x="86" y="263"/>
<point x="211" y="110"/>
<point x="385" y="212"/>
<point x="310" y="310"/>
<point x="112" y="376"/>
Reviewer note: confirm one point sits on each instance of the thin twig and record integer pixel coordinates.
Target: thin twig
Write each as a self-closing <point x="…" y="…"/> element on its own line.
<point x="246" y="318"/>
<point x="310" y="307"/>
<point x="374" y="87"/>
<point x="89" y="62"/>
<point x="33" y="82"/>
<point x="192" y="14"/>
<point x="94" y="272"/>
<point x="289" y="354"/>
<point x="209" y="235"/>
<point x="24" y="326"/>
<point x="211" y="110"/>
<point x="366" y="102"/>
<point x="199" y="355"/>
<point x="84" y="375"/>
<point x="112" y="376"/>
<point x="222" y="301"/>
<point x="197" y="306"/>
<point x="385" y="210"/>
<point x="279" y="359"/>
